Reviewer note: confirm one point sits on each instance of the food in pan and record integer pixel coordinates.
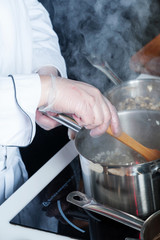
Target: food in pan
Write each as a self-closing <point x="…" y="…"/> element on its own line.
<point x="139" y="102"/>
<point x="118" y="158"/>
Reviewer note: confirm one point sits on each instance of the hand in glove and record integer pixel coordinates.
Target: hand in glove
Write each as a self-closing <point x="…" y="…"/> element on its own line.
<point x="82" y="101"/>
<point x="42" y="120"/>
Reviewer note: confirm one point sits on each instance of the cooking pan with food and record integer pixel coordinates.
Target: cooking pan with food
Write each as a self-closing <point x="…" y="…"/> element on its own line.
<point x="136" y="94"/>
<point x="132" y="94"/>
<point x="114" y="174"/>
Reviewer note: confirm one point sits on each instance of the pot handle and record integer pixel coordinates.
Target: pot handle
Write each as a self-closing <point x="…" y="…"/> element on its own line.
<point x="64" y="120"/>
<point x="155" y="169"/>
<point x="81" y="200"/>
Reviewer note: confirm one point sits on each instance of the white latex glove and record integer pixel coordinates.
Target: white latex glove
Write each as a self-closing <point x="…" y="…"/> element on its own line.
<point x="85" y="103"/>
<point x="43" y="121"/>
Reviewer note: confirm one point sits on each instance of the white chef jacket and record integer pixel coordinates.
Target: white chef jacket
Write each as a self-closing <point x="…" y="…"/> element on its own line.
<point x="27" y="43"/>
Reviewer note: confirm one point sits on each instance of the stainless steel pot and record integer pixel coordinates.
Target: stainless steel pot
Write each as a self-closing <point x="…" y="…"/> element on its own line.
<point x="149" y="228"/>
<point x="132" y="94"/>
<point x="130" y="187"/>
<point x="135" y="94"/>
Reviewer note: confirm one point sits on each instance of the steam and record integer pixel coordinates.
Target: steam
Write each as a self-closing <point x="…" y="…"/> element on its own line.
<point x="111" y="30"/>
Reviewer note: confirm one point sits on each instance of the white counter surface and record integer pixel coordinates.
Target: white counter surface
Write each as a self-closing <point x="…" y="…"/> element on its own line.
<point x="27" y="192"/>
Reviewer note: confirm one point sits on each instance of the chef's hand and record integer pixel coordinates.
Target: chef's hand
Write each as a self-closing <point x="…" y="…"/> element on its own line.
<point x="82" y="101"/>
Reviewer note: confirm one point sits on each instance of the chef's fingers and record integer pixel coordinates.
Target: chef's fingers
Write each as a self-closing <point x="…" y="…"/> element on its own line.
<point x="95" y="111"/>
<point x="115" y="122"/>
<point x="45" y="122"/>
<point x="102" y="124"/>
<point x="104" y="120"/>
<point x="110" y="117"/>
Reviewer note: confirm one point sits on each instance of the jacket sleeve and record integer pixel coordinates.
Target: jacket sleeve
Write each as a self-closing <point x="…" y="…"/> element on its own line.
<point x="46" y="50"/>
<point x="19" y="98"/>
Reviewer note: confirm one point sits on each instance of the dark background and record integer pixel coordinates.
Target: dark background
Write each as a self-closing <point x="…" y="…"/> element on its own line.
<point x="111" y="30"/>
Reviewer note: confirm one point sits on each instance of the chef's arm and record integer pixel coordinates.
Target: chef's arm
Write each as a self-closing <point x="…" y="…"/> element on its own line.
<point x="19" y="98"/>
<point x="46" y="49"/>
<point x="47" y="58"/>
<point x="21" y="95"/>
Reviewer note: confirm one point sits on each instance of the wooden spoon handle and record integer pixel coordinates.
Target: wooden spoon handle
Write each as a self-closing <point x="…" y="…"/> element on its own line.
<point x="147" y="153"/>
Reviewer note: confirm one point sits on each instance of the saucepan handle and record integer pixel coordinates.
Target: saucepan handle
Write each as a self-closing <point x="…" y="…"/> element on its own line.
<point x="64" y="120"/>
<point x="81" y="200"/>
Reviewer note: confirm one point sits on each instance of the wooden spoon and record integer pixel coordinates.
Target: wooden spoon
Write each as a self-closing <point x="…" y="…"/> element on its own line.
<point x="148" y="153"/>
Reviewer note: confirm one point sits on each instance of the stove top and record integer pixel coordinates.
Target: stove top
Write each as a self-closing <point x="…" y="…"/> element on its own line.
<point x="49" y="211"/>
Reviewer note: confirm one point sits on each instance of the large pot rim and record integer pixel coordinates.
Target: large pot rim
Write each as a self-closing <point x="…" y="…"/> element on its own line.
<point x="131" y="82"/>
